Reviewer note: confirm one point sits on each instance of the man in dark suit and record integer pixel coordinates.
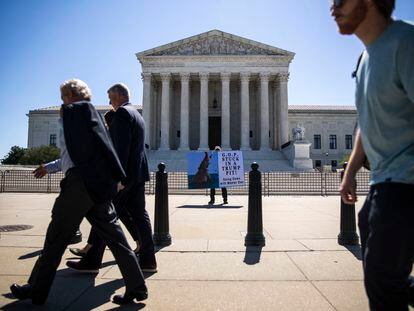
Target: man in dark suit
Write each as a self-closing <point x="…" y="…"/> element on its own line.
<point x="92" y="170"/>
<point x="127" y="130"/>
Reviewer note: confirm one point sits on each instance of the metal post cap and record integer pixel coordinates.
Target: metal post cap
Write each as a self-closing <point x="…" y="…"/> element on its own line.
<point x="254" y="166"/>
<point x="161" y="167"/>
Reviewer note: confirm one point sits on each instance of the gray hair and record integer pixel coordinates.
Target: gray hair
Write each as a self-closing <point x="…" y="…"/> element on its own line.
<point x="120" y="89"/>
<point x="76" y="87"/>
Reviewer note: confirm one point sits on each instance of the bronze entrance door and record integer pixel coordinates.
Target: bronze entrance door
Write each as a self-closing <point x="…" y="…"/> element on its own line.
<point x="214" y="132"/>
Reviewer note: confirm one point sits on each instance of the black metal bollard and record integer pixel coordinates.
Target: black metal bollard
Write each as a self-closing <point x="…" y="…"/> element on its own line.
<point x="254" y="236"/>
<point x="347" y="235"/>
<point x="2" y="179"/>
<point x="162" y="235"/>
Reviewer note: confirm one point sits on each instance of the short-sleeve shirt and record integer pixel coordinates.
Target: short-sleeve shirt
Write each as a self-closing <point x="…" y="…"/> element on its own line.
<point x="385" y="104"/>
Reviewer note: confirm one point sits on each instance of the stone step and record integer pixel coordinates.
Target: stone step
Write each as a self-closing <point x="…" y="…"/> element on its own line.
<point x="176" y="161"/>
<point x="250" y="155"/>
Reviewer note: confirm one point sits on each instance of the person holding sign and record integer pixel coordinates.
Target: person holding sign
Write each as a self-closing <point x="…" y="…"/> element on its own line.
<point x="213" y="190"/>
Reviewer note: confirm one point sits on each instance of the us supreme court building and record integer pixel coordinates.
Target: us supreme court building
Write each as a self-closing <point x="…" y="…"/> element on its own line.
<point x="217" y="88"/>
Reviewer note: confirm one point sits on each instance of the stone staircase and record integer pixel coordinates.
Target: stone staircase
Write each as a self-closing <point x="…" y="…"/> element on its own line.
<point x="176" y="161"/>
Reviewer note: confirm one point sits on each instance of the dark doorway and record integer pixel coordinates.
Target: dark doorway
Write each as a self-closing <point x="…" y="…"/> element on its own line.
<point x="214" y="132"/>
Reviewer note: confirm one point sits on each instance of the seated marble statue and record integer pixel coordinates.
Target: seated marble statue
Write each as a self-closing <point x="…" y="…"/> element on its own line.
<point x="298" y="132"/>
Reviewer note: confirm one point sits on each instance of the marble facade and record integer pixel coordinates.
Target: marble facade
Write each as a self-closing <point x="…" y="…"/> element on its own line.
<point x="220" y="89"/>
<point x="215" y="89"/>
<point x="322" y="121"/>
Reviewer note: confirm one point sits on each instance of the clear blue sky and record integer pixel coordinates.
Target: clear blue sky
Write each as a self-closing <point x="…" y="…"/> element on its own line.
<point x="44" y="42"/>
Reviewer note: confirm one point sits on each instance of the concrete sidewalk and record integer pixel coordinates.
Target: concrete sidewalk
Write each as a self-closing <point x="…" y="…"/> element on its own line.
<point x="207" y="268"/>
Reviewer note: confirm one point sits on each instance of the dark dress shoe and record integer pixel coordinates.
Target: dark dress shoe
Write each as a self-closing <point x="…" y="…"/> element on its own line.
<point x="82" y="267"/>
<point x="129" y="297"/>
<point x="148" y="268"/>
<point x="24" y="292"/>
<point x="77" y="252"/>
<point x="21" y="292"/>
<point x="211" y="202"/>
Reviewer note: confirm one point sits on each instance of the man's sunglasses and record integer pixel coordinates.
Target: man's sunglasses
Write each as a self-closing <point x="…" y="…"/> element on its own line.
<point x="337" y="3"/>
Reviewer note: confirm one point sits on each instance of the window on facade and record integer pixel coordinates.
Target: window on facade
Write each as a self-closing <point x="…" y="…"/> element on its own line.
<point x="334" y="163"/>
<point x="348" y="141"/>
<point x="318" y="163"/>
<point x="52" y="140"/>
<point x="332" y="141"/>
<point x="317" y="141"/>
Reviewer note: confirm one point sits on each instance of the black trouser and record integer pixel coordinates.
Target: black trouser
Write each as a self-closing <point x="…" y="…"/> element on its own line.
<point x="131" y="202"/>
<point x="124" y="216"/>
<point x="387" y="240"/>
<point x="223" y="193"/>
<point x="72" y="204"/>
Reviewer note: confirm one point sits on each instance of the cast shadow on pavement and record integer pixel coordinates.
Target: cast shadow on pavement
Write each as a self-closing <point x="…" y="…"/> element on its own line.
<point x="212" y="206"/>
<point x="252" y="255"/>
<point x="30" y="255"/>
<point x="355" y="250"/>
<point x="102" y="293"/>
<point x="103" y="265"/>
<point x="92" y="297"/>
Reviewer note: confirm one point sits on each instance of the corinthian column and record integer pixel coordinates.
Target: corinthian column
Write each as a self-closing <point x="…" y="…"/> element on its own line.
<point x="245" y="120"/>
<point x="264" y="111"/>
<point x="225" y="110"/>
<point x="203" y="111"/>
<point x="146" y="106"/>
<point x="282" y="104"/>
<point x="165" y="112"/>
<point x="185" y="78"/>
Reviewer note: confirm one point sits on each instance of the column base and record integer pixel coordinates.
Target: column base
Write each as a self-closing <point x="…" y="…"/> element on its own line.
<point x="245" y="148"/>
<point x="254" y="239"/>
<point x="265" y="149"/>
<point x="348" y="238"/>
<point x="183" y="148"/>
<point x="162" y="239"/>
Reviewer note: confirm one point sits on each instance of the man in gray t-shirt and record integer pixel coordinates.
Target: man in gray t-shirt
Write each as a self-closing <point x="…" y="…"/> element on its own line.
<point x="385" y="104"/>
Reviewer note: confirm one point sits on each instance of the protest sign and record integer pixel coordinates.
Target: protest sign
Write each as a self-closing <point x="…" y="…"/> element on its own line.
<point x="231" y="170"/>
<point x="211" y="169"/>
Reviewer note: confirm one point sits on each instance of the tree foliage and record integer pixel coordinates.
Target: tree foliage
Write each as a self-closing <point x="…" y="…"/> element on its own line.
<point x="38" y="155"/>
<point x="14" y="155"/>
<point x="344" y="159"/>
<point x="31" y="156"/>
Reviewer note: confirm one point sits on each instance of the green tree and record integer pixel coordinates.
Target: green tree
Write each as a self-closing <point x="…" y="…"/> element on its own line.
<point x="38" y="155"/>
<point x="345" y="158"/>
<point x="14" y="156"/>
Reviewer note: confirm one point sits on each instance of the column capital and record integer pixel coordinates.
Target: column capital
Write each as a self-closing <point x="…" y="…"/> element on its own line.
<point x="225" y="76"/>
<point x="276" y="83"/>
<point x="185" y="76"/>
<point x="264" y="76"/>
<point x="283" y="77"/>
<point x="203" y="76"/>
<point x="165" y="76"/>
<point x="146" y="76"/>
<point x="245" y="76"/>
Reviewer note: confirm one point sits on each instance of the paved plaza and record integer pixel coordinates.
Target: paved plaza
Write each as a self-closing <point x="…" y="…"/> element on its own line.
<point x="207" y="267"/>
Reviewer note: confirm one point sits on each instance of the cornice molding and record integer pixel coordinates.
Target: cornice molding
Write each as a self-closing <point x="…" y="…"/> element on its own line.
<point x="214" y="42"/>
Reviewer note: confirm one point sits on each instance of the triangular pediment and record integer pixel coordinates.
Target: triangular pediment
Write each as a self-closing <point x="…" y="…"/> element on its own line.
<point x="214" y="42"/>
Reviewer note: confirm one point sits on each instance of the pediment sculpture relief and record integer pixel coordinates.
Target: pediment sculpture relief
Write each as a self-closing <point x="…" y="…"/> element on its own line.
<point x="215" y="46"/>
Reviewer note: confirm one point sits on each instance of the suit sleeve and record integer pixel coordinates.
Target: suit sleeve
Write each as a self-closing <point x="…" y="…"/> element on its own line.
<point x="120" y="131"/>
